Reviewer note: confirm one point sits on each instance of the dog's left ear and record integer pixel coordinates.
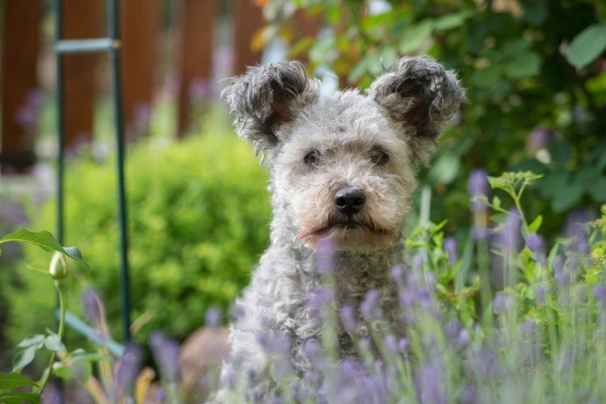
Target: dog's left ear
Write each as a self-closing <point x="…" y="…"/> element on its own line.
<point x="420" y="97"/>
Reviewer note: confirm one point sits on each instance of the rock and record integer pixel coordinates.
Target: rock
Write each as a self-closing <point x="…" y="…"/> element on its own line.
<point x="201" y="357"/>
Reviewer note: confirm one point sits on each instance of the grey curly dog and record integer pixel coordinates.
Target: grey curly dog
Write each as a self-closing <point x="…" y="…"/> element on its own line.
<point x="342" y="169"/>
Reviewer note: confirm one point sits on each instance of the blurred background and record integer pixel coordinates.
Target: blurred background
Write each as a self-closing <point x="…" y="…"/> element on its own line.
<point x="535" y="73"/>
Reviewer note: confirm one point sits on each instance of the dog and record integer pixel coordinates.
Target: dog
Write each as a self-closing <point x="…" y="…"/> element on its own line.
<point x="342" y="173"/>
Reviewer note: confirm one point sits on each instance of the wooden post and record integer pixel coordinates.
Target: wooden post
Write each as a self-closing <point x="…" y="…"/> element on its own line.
<point x="196" y="22"/>
<point x="140" y="28"/>
<point x="248" y="19"/>
<point x="20" y="50"/>
<point x="81" y="20"/>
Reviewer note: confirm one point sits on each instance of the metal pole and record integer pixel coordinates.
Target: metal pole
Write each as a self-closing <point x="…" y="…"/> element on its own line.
<point x="114" y="55"/>
<point x="61" y="155"/>
<point x="60" y="115"/>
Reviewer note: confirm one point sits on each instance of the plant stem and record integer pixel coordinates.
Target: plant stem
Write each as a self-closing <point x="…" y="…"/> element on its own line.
<point x="59" y="285"/>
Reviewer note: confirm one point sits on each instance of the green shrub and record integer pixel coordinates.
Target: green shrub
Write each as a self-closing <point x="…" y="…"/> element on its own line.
<point x="198" y="221"/>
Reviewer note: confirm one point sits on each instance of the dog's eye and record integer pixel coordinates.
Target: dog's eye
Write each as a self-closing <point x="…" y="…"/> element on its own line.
<point x="312" y="158"/>
<point x="378" y="156"/>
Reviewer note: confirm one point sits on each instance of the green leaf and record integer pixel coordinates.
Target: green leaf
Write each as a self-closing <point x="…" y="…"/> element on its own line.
<point x="515" y="48"/>
<point x="445" y="169"/>
<point x="37" y="339"/>
<point x="526" y="65"/>
<point x="487" y="76"/>
<point x="415" y="35"/>
<point x="587" y="46"/>
<point x="358" y="71"/>
<point x="536" y="224"/>
<point x="389" y="56"/>
<point x="597" y="190"/>
<point x="18" y="397"/>
<point x="53" y="343"/>
<point x="566" y="197"/>
<point x="560" y="152"/>
<point x="553" y="182"/>
<point x="13" y="380"/>
<point x="24" y="358"/>
<point x="322" y="49"/>
<point x="80" y="354"/>
<point x="452" y="20"/>
<point x="79" y="371"/>
<point x="44" y="240"/>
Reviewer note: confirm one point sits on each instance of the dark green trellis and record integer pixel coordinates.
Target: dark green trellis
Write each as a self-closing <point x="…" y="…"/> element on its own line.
<point x="112" y="46"/>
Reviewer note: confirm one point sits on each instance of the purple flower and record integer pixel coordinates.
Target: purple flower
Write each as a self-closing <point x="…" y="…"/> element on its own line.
<point x="199" y="91"/>
<point x="212" y="317"/>
<point x="312" y="350"/>
<point x="27" y="115"/>
<point x="468" y="395"/>
<point x="128" y="369"/>
<point x="417" y="264"/>
<point x="502" y="303"/>
<point x="559" y="272"/>
<point x="397" y="273"/>
<point x="452" y="329"/>
<point x="486" y="365"/>
<point x="510" y="233"/>
<point x="431" y="384"/>
<point x="90" y="304"/>
<point x="161" y="396"/>
<point x="403" y="345"/>
<point x="14" y="213"/>
<point x="391" y="343"/>
<point x="166" y="354"/>
<point x="274" y="343"/>
<point x="320" y="298"/>
<point x="536" y="244"/>
<point x="540" y="294"/>
<point x="325" y="255"/>
<point x="223" y="62"/>
<point x="528" y="327"/>
<point x="478" y="185"/>
<point x="35" y="97"/>
<point x="463" y="338"/>
<point x="539" y="138"/>
<point x="348" y="318"/>
<point x="575" y="230"/>
<point x="450" y="246"/>
<point x="599" y="292"/>
<point x="369" y="306"/>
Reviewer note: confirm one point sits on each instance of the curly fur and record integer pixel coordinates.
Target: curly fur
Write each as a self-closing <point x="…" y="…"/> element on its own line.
<point x="278" y="109"/>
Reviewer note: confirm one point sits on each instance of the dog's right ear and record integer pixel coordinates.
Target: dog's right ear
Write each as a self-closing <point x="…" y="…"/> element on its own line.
<point x="266" y="98"/>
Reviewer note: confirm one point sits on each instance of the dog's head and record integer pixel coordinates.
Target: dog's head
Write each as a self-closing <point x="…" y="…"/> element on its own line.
<point x="343" y="166"/>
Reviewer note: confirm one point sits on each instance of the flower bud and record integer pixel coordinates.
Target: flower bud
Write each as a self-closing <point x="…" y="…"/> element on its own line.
<point x="58" y="266"/>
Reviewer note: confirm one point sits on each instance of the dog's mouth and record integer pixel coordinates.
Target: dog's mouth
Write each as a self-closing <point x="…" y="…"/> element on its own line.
<point x="350" y="225"/>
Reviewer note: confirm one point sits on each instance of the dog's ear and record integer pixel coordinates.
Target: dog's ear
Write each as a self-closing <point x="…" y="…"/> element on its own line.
<point x="266" y="98"/>
<point x="420" y="97"/>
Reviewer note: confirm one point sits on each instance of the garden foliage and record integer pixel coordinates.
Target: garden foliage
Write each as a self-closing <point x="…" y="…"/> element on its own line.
<point x="198" y="221"/>
<point x="539" y="339"/>
<point x="535" y="75"/>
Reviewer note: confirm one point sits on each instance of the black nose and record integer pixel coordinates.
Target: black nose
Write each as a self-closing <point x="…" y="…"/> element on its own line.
<point x="349" y="200"/>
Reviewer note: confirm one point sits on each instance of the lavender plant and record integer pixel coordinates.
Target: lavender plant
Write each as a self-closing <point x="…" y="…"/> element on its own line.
<point x="540" y="337"/>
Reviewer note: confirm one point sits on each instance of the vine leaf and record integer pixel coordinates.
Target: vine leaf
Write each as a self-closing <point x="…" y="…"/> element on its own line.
<point x="44" y="240"/>
<point x="14" y="380"/>
<point x="587" y="46"/>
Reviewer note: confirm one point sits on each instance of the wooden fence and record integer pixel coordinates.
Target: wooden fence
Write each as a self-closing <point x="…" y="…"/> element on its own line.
<point x="142" y="27"/>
